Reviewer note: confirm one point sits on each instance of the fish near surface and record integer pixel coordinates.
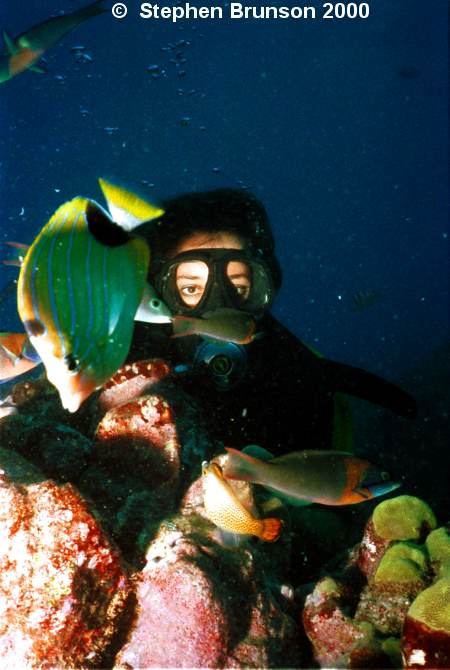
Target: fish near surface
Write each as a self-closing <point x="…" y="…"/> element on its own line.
<point x="79" y="288"/>
<point x="23" y="52"/>
<point x="17" y="355"/>
<point x="321" y="476"/>
<point x="223" y="508"/>
<point x="224" y="324"/>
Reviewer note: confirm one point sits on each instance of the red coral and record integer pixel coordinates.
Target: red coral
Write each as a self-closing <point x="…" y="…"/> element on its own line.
<point x="62" y="587"/>
<point x="424" y="647"/>
<point x="371" y="550"/>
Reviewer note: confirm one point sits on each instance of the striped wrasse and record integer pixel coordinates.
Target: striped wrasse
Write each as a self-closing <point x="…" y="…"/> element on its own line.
<point x="79" y="288"/>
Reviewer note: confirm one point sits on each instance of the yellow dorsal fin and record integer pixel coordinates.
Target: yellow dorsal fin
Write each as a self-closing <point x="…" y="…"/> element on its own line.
<point x="127" y="209"/>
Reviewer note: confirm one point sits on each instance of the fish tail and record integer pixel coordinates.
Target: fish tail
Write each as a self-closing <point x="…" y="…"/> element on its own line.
<point x="183" y="325"/>
<point x="240" y="466"/>
<point x="94" y="9"/>
<point x="270" y="529"/>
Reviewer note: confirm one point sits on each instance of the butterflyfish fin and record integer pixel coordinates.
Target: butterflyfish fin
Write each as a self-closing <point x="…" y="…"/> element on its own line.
<point x="115" y="312"/>
<point x="103" y="228"/>
<point x="127" y="209"/>
<point x="13" y="261"/>
<point x="258" y="452"/>
<point x="11" y="48"/>
<point x="20" y="251"/>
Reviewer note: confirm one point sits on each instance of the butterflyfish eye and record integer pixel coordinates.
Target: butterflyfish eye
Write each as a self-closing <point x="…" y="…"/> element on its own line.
<point x="72" y="362"/>
<point x="34" y="327"/>
<point x="155" y="303"/>
<point x="385" y="476"/>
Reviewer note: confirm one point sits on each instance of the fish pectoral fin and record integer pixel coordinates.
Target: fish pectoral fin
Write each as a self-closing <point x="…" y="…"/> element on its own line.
<point x="39" y="69"/>
<point x="116" y="310"/>
<point x="11" y="48"/>
<point x="127" y="209"/>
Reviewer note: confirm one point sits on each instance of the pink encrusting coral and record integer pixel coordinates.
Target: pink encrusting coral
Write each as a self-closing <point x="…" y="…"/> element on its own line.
<point x="131" y="381"/>
<point x="63" y="589"/>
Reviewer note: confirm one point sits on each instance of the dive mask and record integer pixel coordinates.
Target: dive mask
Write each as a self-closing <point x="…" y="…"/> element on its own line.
<point x="201" y="280"/>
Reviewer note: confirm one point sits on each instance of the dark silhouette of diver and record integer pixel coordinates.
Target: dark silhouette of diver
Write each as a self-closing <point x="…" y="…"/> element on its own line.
<point x="215" y="250"/>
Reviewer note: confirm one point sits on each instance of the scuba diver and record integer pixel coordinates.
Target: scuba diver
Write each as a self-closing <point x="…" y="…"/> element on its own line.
<point x="213" y="254"/>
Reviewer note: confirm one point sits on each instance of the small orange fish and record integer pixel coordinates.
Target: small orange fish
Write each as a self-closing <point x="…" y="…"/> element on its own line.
<point x="223" y="508"/>
<point x="224" y="324"/>
<point x="17" y="355"/>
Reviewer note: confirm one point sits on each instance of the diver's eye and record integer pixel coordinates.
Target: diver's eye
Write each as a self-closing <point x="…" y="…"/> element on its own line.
<point x="193" y="289"/>
<point x="191" y="294"/>
<point x="72" y="362"/>
<point x="242" y="291"/>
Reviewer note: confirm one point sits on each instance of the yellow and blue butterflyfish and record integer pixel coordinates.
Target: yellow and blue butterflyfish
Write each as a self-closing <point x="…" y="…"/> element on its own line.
<point x="80" y="285"/>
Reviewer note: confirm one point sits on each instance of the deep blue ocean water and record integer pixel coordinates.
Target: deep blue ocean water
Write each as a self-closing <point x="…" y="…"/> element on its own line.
<point x="339" y="126"/>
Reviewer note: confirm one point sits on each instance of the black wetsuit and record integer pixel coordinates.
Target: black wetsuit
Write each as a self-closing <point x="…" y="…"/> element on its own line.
<point x="285" y="401"/>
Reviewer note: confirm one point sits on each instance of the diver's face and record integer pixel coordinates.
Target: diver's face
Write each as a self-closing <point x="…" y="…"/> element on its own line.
<point x="192" y="276"/>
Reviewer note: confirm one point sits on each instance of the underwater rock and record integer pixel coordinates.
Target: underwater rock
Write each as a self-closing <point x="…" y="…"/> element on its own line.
<point x="131" y="381"/>
<point x="400" y="576"/>
<point x="200" y="605"/>
<point x="426" y="634"/>
<point x="339" y="641"/>
<point x="60" y="451"/>
<point x="140" y="438"/>
<point x="62" y="587"/>
<point x="370" y="550"/>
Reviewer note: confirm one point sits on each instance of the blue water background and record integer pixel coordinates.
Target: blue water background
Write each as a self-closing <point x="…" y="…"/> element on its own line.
<point x="339" y="126"/>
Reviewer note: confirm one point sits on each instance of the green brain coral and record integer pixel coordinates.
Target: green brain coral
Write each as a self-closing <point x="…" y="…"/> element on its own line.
<point x="438" y="545"/>
<point x="432" y="606"/>
<point x="402" y="518"/>
<point x="402" y="562"/>
<point x="396" y="569"/>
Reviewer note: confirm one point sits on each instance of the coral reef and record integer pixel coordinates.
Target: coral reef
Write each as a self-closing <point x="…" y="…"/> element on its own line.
<point x="63" y="591"/>
<point x="121" y="565"/>
<point x="108" y="559"/>
<point x="400" y="616"/>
